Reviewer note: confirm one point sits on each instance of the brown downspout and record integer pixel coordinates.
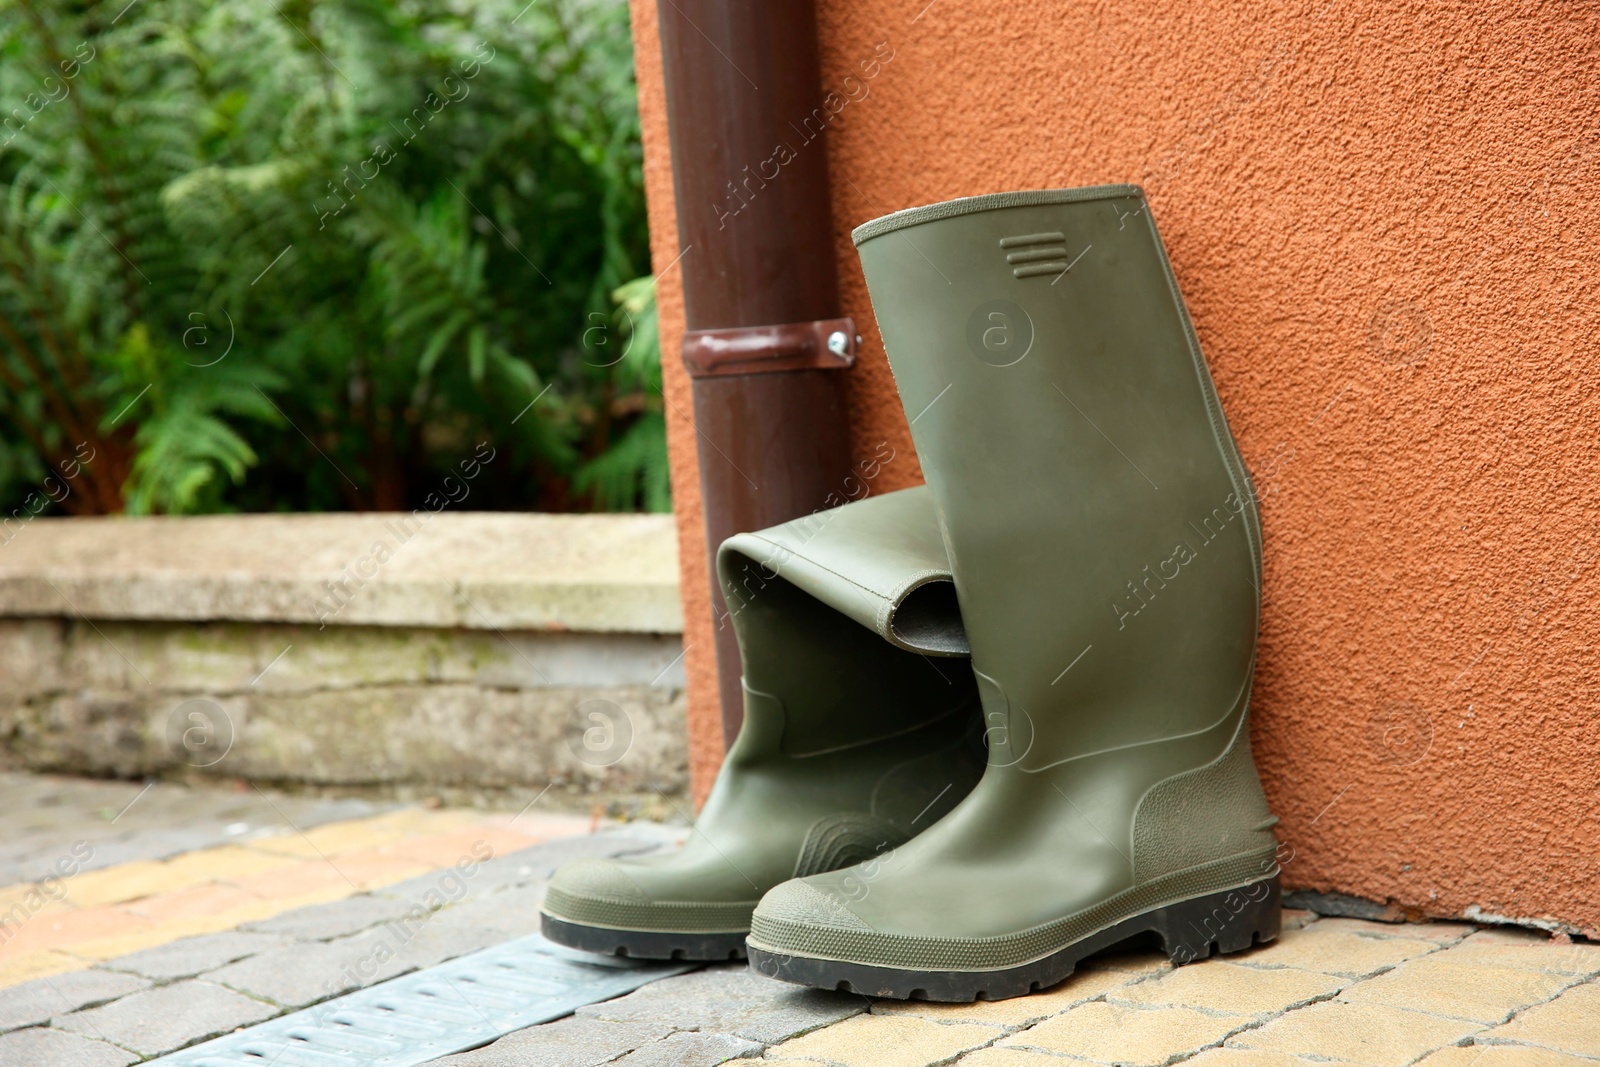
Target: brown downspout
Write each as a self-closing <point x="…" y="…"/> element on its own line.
<point x="759" y="285"/>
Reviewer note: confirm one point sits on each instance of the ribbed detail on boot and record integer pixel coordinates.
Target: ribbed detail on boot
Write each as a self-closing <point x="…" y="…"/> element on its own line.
<point x="836" y="841"/>
<point x="1217" y="809"/>
<point x="822" y="929"/>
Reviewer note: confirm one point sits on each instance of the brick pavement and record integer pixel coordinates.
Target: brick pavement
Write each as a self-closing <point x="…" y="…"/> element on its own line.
<point x="118" y="963"/>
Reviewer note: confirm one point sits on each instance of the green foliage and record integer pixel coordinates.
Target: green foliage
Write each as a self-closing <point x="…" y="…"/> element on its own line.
<point x="305" y="255"/>
<point x="635" y="467"/>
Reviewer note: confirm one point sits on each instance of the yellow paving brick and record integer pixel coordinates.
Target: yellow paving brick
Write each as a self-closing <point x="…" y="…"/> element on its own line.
<point x="190" y="926"/>
<point x="541" y="825"/>
<point x="1438" y="986"/>
<point x="885" y="1041"/>
<point x="191" y="902"/>
<point x="1249" y="1057"/>
<point x="26" y="966"/>
<point x="1569" y="1023"/>
<point x="336" y="837"/>
<point x="302" y="877"/>
<point x="63" y="929"/>
<point x="1374" y="1035"/>
<point x="1439" y="932"/>
<point x="1220" y="986"/>
<point x="1335" y="952"/>
<point x="369" y="871"/>
<point x="30" y="898"/>
<point x="1009" y="1057"/>
<point x="133" y="906"/>
<point x="1528" y="951"/>
<point x="1018" y="1011"/>
<point x="1502" y="1056"/>
<point x="124" y="882"/>
<point x="473" y="844"/>
<point x="133" y="881"/>
<point x="1111" y="1033"/>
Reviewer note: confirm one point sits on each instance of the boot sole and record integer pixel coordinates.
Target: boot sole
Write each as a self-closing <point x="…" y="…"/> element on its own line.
<point x="1189" y="930"/>
<point x="644" y="944"/>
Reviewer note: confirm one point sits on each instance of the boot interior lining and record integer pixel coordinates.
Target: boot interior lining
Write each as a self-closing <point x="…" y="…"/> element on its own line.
<point x="928" y="619"/>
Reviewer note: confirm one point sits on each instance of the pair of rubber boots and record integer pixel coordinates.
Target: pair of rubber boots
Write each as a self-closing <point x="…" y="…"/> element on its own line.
<point x="898" y="820"/>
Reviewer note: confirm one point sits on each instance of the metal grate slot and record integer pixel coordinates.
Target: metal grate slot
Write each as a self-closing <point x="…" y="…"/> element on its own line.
<point x="418" y="1017"/>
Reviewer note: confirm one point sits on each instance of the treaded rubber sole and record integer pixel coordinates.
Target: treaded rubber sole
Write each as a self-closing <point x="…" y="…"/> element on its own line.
<point x="1231" y="920"/>
<point x="644" y="944"/>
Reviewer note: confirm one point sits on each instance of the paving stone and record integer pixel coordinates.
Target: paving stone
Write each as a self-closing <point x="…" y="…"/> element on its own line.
<point x="192" y="955"/>
<point x="730" y="1000"/>
<point x="1248" y="1057"/>
<point x="1502" y="1056"/>
<point x="38" y="1047"/>
<point x="1111" y="1033"/>
<point x="304" y="973"/>
<point x="1438" y="986"/>
<point x="1441" y="933"/>
<point x="1297" y="918"/>
<point x="433" y="944"/>
<point x="167" y="1018"/>
<point x="1371" y="1034"/>
<point x="336" y="919"/>
<point x="1018" y="1011"/>
<point x="1528" y="951"/>
<point x="136" y="881"/>
<point x="1569" y="1023"/>
<point x="535" y="863"/>
<point x="689" y="1050"/>
<point x="885" y="1041"/>
<point x="1009" y="1057"/>
<point x="1334" y="951"/>
<point x="1226" y="987"/>
<point x="569" y="1042"/>
<point x="513" y="912"/>
<point x="43" y="999"/>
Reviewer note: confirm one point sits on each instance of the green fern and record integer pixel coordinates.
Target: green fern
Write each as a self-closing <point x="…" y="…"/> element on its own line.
<point x="400" y="274"/>
<point x="633" y="472"/>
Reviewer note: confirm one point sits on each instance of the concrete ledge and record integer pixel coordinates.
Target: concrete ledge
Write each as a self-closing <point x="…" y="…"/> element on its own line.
<point x="474" y="651"/>
<point x="475" y="571"/>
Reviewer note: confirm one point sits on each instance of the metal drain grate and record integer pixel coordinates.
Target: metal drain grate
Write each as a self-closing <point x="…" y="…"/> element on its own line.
<point x="417" y="1017"/>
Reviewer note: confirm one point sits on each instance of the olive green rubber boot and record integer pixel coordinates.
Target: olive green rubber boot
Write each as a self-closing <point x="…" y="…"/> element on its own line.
<point x="1106" y="551"/>
<point x="850" y="744"/>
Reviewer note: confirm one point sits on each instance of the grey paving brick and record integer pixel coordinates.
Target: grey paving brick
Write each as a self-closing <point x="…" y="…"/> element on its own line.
<point x="307" y="972"/>
<point x="168" y="1017"/>
<point x="321" y="922"/>
<point x="730" y="1000"/>
<point x="43" y="999"/>
<point x="38" y="1047"/>
<point x="192" y="955"/>
<point x="511" y="912"/>
<point x="690" y="1050"/>
<point x="569" y="1042"/>
<point x="532" y="864"/>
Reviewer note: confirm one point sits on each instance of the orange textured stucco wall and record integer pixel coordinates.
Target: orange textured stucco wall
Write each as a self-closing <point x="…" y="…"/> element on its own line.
<point x="1384" y="219"/>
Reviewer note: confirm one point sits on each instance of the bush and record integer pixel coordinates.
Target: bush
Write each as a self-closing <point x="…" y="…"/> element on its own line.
<point x="307" y="255"/>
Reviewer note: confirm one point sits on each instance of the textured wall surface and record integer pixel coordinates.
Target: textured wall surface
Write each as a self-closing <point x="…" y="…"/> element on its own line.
<point x="1383" y="217"/>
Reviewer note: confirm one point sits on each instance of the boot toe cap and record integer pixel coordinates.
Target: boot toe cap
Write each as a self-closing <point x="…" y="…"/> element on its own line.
<point x="800" y="903"/>
<point x="605" y="893"/>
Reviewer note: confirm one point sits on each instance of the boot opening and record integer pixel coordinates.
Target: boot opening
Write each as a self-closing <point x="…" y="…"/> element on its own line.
<point x="928" y="619"/>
